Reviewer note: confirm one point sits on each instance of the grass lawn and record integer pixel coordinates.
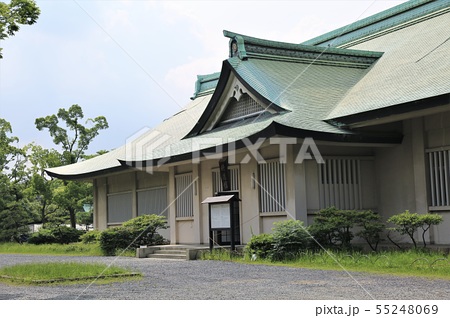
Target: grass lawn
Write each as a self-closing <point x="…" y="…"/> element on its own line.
<point x="73" y="249"/>
<point x="401" y="263"/>
<point x="63" y="273"/>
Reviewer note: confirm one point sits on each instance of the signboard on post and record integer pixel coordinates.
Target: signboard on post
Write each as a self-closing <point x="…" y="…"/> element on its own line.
<point x="222" y="216"/>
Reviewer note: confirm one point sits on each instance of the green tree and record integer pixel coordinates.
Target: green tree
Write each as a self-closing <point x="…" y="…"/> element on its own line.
<point x="68" y="131"/>
<point x="407" y="223"/>
<point x="14" y="14"/>
<point x="41" y="187"/>
<point x="75" y="144"/>
<point x="334" y="227"/>
<point x="15" y="208"/>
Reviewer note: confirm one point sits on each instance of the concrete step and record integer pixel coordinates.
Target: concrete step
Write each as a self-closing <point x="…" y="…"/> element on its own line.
<point x="167" y="256"/>
<point x="171" y="251"/>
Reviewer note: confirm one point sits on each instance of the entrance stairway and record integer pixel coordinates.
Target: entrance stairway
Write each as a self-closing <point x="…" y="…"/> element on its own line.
<point x="169" y="254"/>
<point x="174" y="252"/>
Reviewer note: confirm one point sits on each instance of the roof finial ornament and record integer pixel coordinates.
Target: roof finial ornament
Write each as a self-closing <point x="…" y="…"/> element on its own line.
<point x="234" y="48"/>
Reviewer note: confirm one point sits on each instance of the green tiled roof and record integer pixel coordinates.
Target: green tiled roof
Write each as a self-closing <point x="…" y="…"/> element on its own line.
<point x="403" y="15"/>
<point x="415" y="66"/>
<point x="307" y="90"/>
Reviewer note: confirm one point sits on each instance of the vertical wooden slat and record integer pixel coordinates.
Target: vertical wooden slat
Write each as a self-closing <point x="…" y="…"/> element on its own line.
<point x="441" y="178"/>
<point x="430" y="164"/>
<point x="321" y="186"/>
<point x="351" y="182"/>
<point x="335" y="184"/>
<point x="446" y="162"/>
<point x="358" y="169"/>
<point x="436" y="178"/>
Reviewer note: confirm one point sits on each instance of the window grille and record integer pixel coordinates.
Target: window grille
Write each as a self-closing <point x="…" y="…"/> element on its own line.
<point x="439" y="169"/>
<point x="152" y="201"/>
<point x="184" y="195"/>
<point x="119" y="207"/>
<point x="234" y="179"/>
<point x="272" y="186"/>
<point x="340" y="184"/>
<point x="245" y="107"/>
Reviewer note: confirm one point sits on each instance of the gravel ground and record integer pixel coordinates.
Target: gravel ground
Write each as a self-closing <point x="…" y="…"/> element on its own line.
<point x="171" y="279"/>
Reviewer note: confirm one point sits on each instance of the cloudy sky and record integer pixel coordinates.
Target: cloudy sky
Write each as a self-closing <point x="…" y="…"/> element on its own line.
<point x="136" y="62"/>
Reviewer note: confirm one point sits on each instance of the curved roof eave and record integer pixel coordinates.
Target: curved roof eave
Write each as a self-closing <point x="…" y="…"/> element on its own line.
<point x="272" y="130"/>
<point x="86" y="176"/>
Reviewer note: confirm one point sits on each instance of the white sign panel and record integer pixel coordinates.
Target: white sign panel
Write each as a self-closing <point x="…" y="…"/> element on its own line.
<point x="220" y="216"/>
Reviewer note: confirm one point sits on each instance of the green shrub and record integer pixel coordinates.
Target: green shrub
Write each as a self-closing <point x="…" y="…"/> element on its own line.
<point x="261" y="245"/>
<point x="66" y="235"/>
<point x="114" y="238"/>
<point x="290" y="237"/>
<point x="334" y="228"/>
<point x="144" y="229"/>
<point x="59" y="234"/>
<point x="141" y="230"/>
<point x="408" y="223"/>
<point x="371" y="228"/>
<point x="44" y="236"/>
<point x="91" y="237"/>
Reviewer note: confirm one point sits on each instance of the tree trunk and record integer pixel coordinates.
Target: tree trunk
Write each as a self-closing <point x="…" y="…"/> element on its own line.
<point x="73" y="221"/>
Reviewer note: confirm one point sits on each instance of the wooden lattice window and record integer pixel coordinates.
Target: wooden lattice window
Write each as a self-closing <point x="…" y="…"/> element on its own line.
<point x="272" y="186"/>
<point x="439" y="170"/>
<point x="184" y="195"/>
<point x="234" y="179"/>
<point x="340" y="184"/>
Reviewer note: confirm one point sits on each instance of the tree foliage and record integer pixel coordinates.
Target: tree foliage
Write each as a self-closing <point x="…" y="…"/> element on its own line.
<point x="290" y="237"/>
<point x="142" y="230"/>
<point x="333" y="227"/>
<point x="68" y="131"/>
<point x="75" y="143"/>
<point x="15" y="206"/>
<point x="14" y="14"/>
<point x="287" y="240"/>
<point x="407" y="223"/>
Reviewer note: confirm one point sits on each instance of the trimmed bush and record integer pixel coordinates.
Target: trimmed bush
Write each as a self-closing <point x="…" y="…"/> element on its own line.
<point x="371" y="228"/>
<point x="289" y="239"/>
<point x="44" y="236"/>
<point x="334" y="228"/>
<point x="144" y="229"/>
<point x="261" y="245"/>
<point x="91" y="237"/>
<point x="113" y="239"/>
<point x="60" y="234"/>
<point x="141" y="230"/>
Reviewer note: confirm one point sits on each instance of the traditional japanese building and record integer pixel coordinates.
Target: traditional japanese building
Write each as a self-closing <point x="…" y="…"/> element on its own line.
<point x="358" y="118"/>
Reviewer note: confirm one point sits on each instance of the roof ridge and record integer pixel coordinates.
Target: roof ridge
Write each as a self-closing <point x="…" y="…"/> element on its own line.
<point x="243" y="47"/>
<point x="389" y="20"/>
